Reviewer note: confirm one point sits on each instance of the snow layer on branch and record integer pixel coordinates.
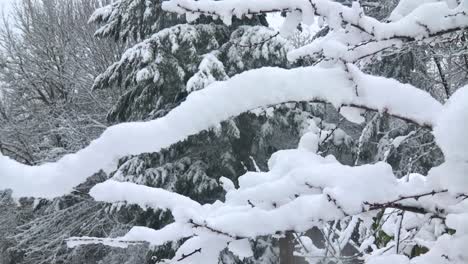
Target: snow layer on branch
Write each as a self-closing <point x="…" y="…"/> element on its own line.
<point x="123" y="19"/>
<point x="209" y="71"/>
<point x="210" y="246"/>
<point x="387" y="259"/>
<point x="451" y="135"/>
<point x="102" y="13"/>
<point x="218" y="102"/>
<point x="446" y="246"/>
<point x="405" y="7"/>
<point x="148" y="59"/>
<point x="241" y="248"/>
<point x="451" y="130"/>
<point x="113" y="191"/>
<point x="423" y="20"/>
<point x="349" y="46"/>
<point x="320" y="188"/>
<point x="298" y="181"/>
<point x="138" y="234"/>
<point x="354" y="36"/>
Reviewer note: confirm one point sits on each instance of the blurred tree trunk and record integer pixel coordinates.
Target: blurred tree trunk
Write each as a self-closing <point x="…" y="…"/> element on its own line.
<point x="286" y="245"/>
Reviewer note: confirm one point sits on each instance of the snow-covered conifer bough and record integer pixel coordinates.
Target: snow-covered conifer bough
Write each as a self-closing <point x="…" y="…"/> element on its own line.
<point x="298" y="180"/>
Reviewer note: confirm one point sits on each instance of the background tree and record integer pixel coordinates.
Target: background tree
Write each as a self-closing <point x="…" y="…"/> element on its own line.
<point x="49" y="61"/>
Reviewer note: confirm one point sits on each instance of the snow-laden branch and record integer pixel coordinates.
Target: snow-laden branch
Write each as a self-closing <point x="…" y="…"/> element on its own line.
<point x="298" y="181"/>
<point x="423" y="21"/>
<point x="303" y="189"/>
<point x="218" y="102"/>
<point x="355" y="36"/>
<point x="127" y="192"/>
<point x="138" y="235"/>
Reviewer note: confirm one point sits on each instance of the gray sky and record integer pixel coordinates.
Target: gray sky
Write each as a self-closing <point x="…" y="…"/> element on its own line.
<point x="5" y="4"/>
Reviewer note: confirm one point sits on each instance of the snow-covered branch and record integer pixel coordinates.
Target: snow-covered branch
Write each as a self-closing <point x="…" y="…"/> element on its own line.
<point x="299" y="180"/>
<point x="303" y="190"/>
<point x="355" y="36"/>
<point x="424" y="20"/>
<point x="214" y="104"/>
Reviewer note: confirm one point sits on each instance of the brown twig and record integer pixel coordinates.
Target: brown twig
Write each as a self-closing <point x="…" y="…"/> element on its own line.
<point x="184" y="256"/>
<point x="219" y="232"/>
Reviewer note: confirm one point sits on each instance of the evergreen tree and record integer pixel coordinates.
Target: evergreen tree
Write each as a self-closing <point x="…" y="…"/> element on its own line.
<point x="170" y="62"/>
<point x="49" y="60"/>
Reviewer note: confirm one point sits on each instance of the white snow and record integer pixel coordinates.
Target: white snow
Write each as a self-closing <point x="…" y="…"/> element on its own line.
<point x="309" y="141"/>
<point x="405" y="7"/>
<point x="138" y="234"/>
<point x="451" y="131"/>
<point x="206" y="73"/>
<point x="114" y="191"/>
<point x="353" y="114"/>
<point x="396" y="142"/>
<point x="290" y="23"/>
<point x="387" y="259"/>
<point x="227" y="184"/>
<point x="451" y="135"/>
<point x="241" y="248"/>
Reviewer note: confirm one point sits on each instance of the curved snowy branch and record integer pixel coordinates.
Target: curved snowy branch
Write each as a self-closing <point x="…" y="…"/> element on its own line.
<point x="113" y="191"/>
<point x="216" y="103"/>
